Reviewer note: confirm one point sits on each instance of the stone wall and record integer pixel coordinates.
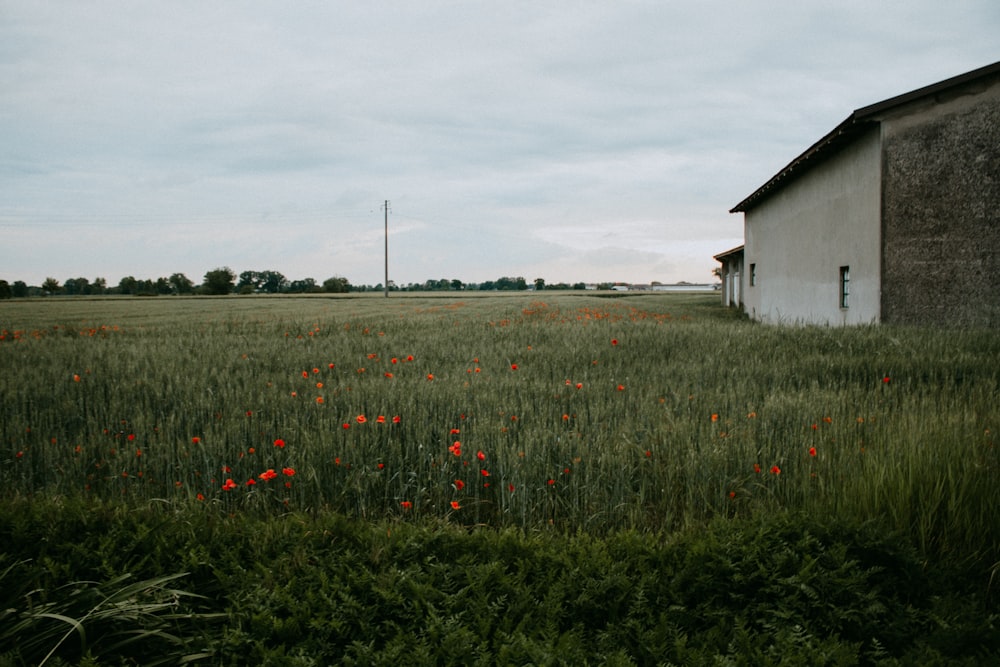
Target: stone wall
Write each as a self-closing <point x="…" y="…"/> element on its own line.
<point x="940" y="201"/>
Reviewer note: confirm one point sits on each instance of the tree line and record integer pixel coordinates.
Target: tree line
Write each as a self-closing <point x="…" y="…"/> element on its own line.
<point x="223" y="280"/>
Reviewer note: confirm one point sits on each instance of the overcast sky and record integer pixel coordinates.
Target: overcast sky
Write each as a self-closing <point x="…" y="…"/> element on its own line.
<point x="569" y="141"/>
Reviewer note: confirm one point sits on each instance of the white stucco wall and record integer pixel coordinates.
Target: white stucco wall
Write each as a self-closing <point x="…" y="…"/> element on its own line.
<point x="799" y="237"/>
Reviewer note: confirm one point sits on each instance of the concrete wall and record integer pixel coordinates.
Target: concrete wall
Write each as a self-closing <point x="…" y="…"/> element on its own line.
<point x="799" y="238"/>
<point x="941" y="196"/>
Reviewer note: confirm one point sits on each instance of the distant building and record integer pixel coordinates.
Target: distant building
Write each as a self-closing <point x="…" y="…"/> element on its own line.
<point x="890" y="217"/>
<point x="731" y="273"/>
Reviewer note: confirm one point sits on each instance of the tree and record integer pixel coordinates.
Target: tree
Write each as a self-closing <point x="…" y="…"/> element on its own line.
<point x="219" y="281"/>
<point x="272" y="282"/>
<point x="128" y="285"/>
<point x="99" y="286"/>
<point x="5" y="291"/>
<point x="304" y="285"/>
<point x="76" y="286"/>
<point x="539" y="284"/>
<point x="336" y="285"/>
<point x="181" y="284"/>
<point x="51" y="286"/>
<point x="20" y="288"/>
<point x="457" y="284"/>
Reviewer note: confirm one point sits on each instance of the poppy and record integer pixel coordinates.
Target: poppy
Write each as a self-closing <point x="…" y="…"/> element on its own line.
<point x="251" y="482"/>
<point x="380" y="419"/>
<point x="455" y="505"/>
<point x="395" y="420"/>
<point x="621" y="387"/>
<point x="288" y="472"/>
<point x="775" y="470"/>
<point x="361" y="419"/>
<point x="485" y="473"/>
<point x="756" y="467"/>
<point x="406" y="504"/>
<point x="614" y="341"/>
<point x="812" y="451"/>
<point x="229" y="485"/>
<point x="480" y="455"/>
<point x="513" y="367"/>
<point x="195" y="440"/>
<point x="279" y="443"/>
<point x="459" y="485"/>
<point x="268" y="475"/>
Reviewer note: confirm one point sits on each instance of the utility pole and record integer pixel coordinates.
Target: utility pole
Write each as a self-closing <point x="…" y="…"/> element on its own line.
<point x="386" y="249"/>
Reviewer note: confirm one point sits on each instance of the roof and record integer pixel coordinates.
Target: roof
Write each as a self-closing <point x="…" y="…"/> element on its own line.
<point x="729" y="253"/>
<point x="855" y="124"/>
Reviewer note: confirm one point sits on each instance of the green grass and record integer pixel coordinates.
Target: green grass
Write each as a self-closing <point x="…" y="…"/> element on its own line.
<point x="652" y="415"/>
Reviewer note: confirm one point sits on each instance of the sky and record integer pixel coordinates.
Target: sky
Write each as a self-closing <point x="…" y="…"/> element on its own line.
<point x="570" y="141"/>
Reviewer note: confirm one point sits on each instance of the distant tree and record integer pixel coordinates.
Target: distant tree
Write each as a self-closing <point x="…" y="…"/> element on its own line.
<point x="507" y="283"/>
<point x="181" y="284"/>
<point x="249" y="282"/>
<point x="487" y="286"/>
<point x="20" y="289"/>
<point x="539" y="284"/>
<point x="579" y="285"/>
<point x="457" y="284"/>
<point x="99" y="286"/>
<point x="5" y="291"/>
<point x="76" y="286"/>
<point x="272" y="282"/>
<point x="219" y="281"/>
<point x="51" y="286"/>
<point x="128" y="285"/>
<point x="304" y="285"/>
<point x="337" y="285"/>
<point x="163" y="286"/>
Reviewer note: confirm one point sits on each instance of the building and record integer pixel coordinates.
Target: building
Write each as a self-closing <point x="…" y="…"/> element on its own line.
<point x="891" y="217"/>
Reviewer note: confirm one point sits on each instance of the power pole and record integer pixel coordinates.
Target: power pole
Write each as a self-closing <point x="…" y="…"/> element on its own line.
<point x="386" y="248"/>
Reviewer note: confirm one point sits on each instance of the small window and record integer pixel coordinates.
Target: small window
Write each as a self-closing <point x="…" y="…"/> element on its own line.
<point x="753" y="275"/>
<point x="845" y="285"/>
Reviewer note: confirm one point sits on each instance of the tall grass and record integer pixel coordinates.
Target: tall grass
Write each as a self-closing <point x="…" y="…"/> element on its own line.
<point x="573" y="412"/>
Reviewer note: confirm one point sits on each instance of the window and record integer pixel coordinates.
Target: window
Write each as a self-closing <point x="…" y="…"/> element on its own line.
<point x="753" y="275"/>
<point x="845" y="285"/>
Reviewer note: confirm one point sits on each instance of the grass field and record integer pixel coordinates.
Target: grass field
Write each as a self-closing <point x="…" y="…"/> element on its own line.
<point x="580" y="416"/>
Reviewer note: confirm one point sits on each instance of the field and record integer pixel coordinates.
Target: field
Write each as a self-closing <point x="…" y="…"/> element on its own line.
<point x="847" y="475"/>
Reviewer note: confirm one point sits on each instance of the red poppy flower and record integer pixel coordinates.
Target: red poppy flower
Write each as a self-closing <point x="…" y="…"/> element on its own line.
<point x="279" y="443"/>
<point x="195" y="440"/>
<point x="251" y="482"/>
<point x="480" y="455"/>
<point x="361" y="419"/>
<point x="510" y="487"/>
<point x="380" y="419"/>
<point x="459" y="485"/>
<point x="614" y="341"/>
<point x="288" y="472"/>
<point x="406" y="504"/>
<point x="485" y="473"/>
<point x="775" y="470"/>
<point x="229" y="485"/>
<point x="455" y="505"/>
<point x="756" y="467"/>
<point x="513" y="367"/>
<point x="812" y="451"/>
<point x="395" y="420"/>
<point x="268" y="475"/>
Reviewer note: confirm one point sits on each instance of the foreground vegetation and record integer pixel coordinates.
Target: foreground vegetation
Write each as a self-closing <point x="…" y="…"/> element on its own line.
<point x="495" y="480"/>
